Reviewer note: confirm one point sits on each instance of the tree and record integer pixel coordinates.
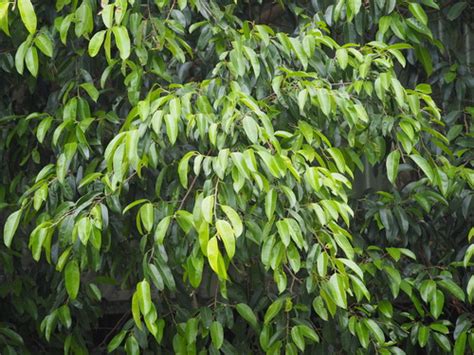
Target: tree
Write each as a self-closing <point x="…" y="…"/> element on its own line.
<point x="243" y="174"/>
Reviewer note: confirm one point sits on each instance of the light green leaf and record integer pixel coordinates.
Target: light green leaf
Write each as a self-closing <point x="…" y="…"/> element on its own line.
<point x="144" y="297"/>
<point x="116" y="341"/>
<point x="147" y="216"/>
<point x="437" y="303"/>
<point x="376" y="331"/>
<point x="418" y="12"/>
<point x="270" y="203"/>
<point x="234" y="219"/>
<point x="44" y="44"/>
<point x="250" y="128"/>
<point x="470" y="289"/>
<point x="161" y="230"/>
<point x="28" y="16"/>
<point x="424" y="165"/>
<point x="318" y="306"/>
<point x="72" y="278"/>
<point x="452" y="288"/>
<point x="91" y="91"/>
<point x="96" y="42"/>
<point x="4" y="4"/>
<point x="324" y="101"/>
<point x="337" y="289"/>
<point x="217" y="334"/>
<point x="342" y="57"/>
<point x="273" y="310"/>
<point x="172" y="127"/>
<point x="183" y="168"/>
<point x="423" y="334"/>
<point x="20" y="57"/>
<point x="31" y="60"/>
<point x="133" y="204"/>
<point x="207" y="206"/>
<point x="392" y="163"/>
<point x="10" y="227"/>
<point x="226" y="233"/>
<point x="215" y="258"/>
<point x="122" y="40"/>
<point x="136" y="309"/>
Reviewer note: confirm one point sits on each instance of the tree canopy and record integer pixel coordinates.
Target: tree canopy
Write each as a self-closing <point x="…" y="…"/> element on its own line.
<point x="224" y="176"/>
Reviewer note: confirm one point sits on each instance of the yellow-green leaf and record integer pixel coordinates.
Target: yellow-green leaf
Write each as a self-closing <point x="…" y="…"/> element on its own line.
<point x="28" y="16"/>
<point x="226" y="233"/>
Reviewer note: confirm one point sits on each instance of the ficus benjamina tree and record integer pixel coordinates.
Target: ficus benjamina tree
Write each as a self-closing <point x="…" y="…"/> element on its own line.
<point x="236" y="177"/>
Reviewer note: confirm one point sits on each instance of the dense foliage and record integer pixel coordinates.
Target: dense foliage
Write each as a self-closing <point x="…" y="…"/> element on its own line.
<point x="236" y="176"/>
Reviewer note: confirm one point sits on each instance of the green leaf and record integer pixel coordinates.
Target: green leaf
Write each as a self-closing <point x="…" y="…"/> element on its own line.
<point x="247" y="313"/>
<point x="217" y="334"/>
<point x="324" y="101"/>
<point x="308" y="333"/>
<point x="136" y="309"/>
<point x="147" y="216"/>
<point x="234" y="219"/>
<point x="456" y="10"/>
<point x="424" y="56"/>
<point x="437" y="303"/>
<point x="253" y="57"/>
<point x="273" y="310"/>
<point x="72" y="278"/>
<point x="108" y="15"/>
<point x="133" y="204"/>
<point x="183" y="168"/>
<point x="427" y="290"/>
<point x="215" y="258"/>
<point x="297" y="338"/>
<point x="144" y="297"/>
<point x="460" y="344"/>
<point x="161" y="230"/>
<point x="31" y="60"/>
<point x="122" y="40"/>
<point x="318" y="306"/>
<point x="342" y="57"/>
<point x="443" y="341"/>
<point x="424" y="166"/>
<point x="270" y="203"/>
<point x="44" y="44"/>
<point x="172" y="127"/>
<point x="96" y="42"/>
<point x="250" y="128"/>
<point x="131" y="346"/>
<point x="28" y="16"/>
<point x="116" y="341"/>
<point x="10" y="227"/>
<point x="226" y="233"/>
<point x="376" y="331"/>
<point x="393" y="160"/>
<point x="336" y="287"/>
<point x="452" y="288"/>
<point x="91" y="91"/>
<point x="20" y="57"/>
<point x="423" y="335"/>
<point x="470" y="289"/>
<point x="4" y="4"/>
<point x="418" y="12"/>
<point x="84" y="229"/>
<point x="207" y="208"/>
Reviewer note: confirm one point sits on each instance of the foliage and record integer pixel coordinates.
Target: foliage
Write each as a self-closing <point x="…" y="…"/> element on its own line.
<point x="222" y="163"/>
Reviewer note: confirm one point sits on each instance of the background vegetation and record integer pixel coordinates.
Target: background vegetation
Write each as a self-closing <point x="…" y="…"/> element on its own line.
<point x="212" y="176"/>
